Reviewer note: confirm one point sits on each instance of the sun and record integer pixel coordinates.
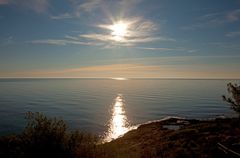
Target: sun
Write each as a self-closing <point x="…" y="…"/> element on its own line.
<point x="119" y="30"/>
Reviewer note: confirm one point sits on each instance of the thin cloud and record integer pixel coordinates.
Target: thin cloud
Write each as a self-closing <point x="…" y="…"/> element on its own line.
<point x="209" y="16"/>
<point x="215" y="20"/>
<point x="161" y="49"/>
<point x="98" y="37"/>
<point x="138" y="27"/>
<point x="90" y="6"/>
<point x="87" y="6"/>
<point x="138" y="31"/>
<point x="7" y="41"/>
<point x="63" y="42"/>
<point x="113" y="70"/>
<point x="111" y="39"/>
<point x="62" y="16"/>
<point x="71" y="37"/>
<point x="49" y="41"/>
<point x="233" y="34"/>
<point x="226" y="45"/>
<point x="233" y="16"/>
<point x="134" y="71"/>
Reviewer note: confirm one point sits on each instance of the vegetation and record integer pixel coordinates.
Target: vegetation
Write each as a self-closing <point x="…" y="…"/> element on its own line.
<point x="234" y="99"/>
<point x="47" y="137"/>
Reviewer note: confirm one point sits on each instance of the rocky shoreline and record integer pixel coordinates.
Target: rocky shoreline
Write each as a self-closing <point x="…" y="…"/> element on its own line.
<point x="176" y="137"/>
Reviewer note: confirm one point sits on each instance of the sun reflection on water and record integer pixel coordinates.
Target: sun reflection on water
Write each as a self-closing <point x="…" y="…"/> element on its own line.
<point x="118" y="124"/>
<point x="119" y="78"/>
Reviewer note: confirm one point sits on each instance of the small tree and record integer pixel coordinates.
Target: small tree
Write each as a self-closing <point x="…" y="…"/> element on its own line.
<point x="50" y="137"/>
<point x="234" y="99"/>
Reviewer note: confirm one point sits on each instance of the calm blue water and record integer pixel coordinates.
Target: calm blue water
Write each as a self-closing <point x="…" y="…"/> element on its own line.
<point x="86" y="103"/>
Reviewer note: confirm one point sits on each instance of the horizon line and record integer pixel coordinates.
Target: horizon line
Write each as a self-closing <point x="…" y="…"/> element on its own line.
<point x="127" y="78"/>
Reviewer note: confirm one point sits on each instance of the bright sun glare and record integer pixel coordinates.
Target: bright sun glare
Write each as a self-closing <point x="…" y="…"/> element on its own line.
<point x="119" y="30"/>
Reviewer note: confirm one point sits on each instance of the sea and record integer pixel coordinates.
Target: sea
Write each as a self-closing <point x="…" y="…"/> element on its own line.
<point x="110" y="107"/>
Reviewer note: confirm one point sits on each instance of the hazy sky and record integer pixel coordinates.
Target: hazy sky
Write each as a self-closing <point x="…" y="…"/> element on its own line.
<point x="120" y="38"/>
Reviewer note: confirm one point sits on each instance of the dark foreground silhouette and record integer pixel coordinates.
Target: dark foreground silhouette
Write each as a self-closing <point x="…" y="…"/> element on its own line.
<point x="49" y="137"/>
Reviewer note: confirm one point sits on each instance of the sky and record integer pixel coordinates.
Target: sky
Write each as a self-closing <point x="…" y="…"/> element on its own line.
<point x="120" y="38"/>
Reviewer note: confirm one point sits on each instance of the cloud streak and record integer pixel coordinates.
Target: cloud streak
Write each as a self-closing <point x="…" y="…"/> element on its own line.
<point x="215" y="19"/>
<point x="114" y="70"/>
<point x="89" y="6"/>
<point x="163" y="49"/>
<point x="7" y="41"/>
<point x="132" y="71"/>
<point x="63" y="42"/>
<point x="138" y="31"/>
<point x="233" y="34"/>
<point x="61" y="16"/>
